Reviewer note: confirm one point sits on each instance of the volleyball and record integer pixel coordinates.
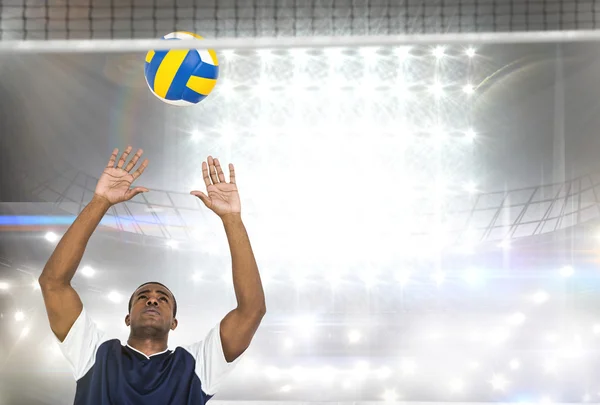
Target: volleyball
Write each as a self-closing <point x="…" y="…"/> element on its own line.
<point x="181" y="77"/>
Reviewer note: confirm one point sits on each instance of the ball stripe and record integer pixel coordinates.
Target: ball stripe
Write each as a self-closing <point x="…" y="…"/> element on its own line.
<point x="167" y="71"/>
<point x="149" y="56"/>
<point x="191" y="96"/>
<point x="207" y="71"/>
<point x="152" y="67"/>
<point x="178" y="83"/>
<point x="201" y="85"/>
<point x="213" y="55"/>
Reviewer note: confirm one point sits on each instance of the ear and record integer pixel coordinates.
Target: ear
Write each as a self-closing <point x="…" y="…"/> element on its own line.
<point x="174" y="324"/>
<point x="127" y="320"/>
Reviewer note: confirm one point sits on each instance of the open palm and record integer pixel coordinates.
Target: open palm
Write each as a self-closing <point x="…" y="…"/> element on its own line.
<point x="115" y="182"/>
<point x="223" y="198"/>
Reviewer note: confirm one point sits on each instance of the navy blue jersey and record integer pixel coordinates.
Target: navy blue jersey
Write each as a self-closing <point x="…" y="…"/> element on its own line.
<point x="109" y="373"/>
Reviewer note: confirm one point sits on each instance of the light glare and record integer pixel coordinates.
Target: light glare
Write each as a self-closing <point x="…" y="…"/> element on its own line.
<point x="51" y="237"/>
<point x="540" y="297"/>
<point x="517" y="319"/>
<point x="390" y="396"/>
<point x="354" y="336"/>
<point x="498" y="382"/>
<point x="408" y="366"/>
<point x="439" y="52"/>
<point x="87" y="271"/>
<point x="468" y="89"/>
<point x="567" y="271"/>
<point x="470" y="135"/>
<point x="115" y="297"/>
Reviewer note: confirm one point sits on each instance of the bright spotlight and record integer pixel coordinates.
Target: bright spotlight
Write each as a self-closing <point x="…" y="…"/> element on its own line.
<point x="390" y="396"/>
<point x="87" y="271"/>
<point x="51" y="237"/>
<point x="272" y="373"/>
<point x="354" y="336"/>
<point x="196" y="135"/>
<point x="384" y="373"/>
<point x="115" y="297"/>
<point x="540" y="297"/>
<point x="437" y="89"/>
<point x="470" y="52"/>
<point x="402" y="277"/>
<point x="408" y="366"/>
<point x="368" y="52"/>
<point x="470" y="187"/>
<point x="468" y="89"/>
<point x="550" y="366"/>
<point x="517" y="319"/>
<point x="456" y="385"/>
<point x="470" y="135"/>
<point x="266" y="54"/>
<point x="402" y="52"/>
<point x="498" y="382"/>
<point x="439" y="277"/>
<point x="439" y="52"/>
<point x="567" y="271"/>
<point x="19" y="316"/>
<point x="472" y="275"/>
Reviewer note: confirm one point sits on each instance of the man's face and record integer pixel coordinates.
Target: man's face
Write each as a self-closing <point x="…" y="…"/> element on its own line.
<point x="152" y="310"/>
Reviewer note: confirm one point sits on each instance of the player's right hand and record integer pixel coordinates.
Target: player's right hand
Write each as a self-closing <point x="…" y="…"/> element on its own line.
<point x="115" y="183"/>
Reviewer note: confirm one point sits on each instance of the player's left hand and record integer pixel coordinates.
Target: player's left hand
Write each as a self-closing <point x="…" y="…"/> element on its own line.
<point x="223" y="197"/>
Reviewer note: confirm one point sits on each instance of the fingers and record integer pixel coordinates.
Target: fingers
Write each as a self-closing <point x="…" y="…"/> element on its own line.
<point x="131" y="164"/>
<point x="124" y="157"/>
<point x="113" y="158"/>
<point x="219" y="171"/>
<point x="205" y="174"/>
<point x="132" y="192"/>
<point x="212" y="170"/>
<point x="140" y="169"/>
<point x="231" y="174"/>
<point x="202" y="197"/>
<point x="134" y="161"/>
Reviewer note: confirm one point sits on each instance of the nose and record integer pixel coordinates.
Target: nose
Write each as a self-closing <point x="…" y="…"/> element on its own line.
<point x="152" y="302"/>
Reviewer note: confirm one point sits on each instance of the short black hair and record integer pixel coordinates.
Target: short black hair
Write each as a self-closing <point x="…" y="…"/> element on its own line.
<point x="153" y="282"/>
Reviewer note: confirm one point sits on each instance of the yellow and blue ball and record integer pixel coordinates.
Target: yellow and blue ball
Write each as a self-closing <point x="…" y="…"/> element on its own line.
<point x="181" y="77"/>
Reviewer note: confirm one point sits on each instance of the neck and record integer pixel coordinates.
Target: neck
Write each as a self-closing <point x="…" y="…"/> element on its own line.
<point x="148" y="346"/>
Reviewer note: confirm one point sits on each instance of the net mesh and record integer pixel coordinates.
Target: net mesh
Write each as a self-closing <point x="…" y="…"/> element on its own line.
<point x="123" y="19"/>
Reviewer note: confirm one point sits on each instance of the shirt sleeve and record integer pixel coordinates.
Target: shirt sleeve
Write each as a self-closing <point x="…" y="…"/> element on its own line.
<point x="211" y="366"/>
<point x="81" y="344"/>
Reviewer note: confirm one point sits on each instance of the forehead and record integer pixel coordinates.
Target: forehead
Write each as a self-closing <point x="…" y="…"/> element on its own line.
<point x="153" y="288"/>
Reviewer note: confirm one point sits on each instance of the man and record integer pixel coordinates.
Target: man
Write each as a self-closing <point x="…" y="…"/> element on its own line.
<point x="144" y="371"/>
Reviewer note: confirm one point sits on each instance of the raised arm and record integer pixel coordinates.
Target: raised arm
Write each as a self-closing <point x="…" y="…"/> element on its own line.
<point x="63" y="304"/>
<point x="239" y="326"/>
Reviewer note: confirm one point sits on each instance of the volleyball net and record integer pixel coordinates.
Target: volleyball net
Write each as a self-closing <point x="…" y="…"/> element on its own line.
<point x="111" y="25"/>
<point x="424" y="112"/>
